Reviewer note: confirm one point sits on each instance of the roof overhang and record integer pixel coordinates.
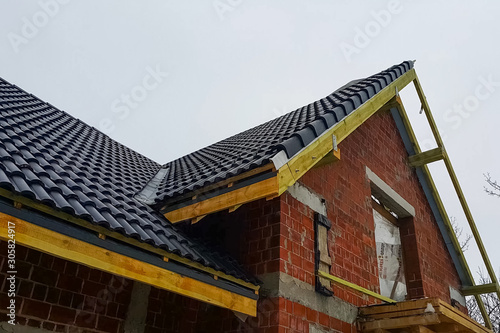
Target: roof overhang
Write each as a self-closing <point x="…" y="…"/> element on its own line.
<point x="71" y="242"/>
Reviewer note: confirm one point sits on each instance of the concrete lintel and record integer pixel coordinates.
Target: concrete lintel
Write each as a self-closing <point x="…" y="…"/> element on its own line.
<point x="280" y="284"/>
<point x="307" y="197"/>
<point x="135" y="321"/>
<point x="389" y="197"/>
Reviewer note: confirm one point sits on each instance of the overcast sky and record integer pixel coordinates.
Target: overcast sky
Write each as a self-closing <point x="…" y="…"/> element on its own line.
<point x="169" y="77"/>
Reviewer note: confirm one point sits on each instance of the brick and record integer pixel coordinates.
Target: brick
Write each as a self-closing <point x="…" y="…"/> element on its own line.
<point x="71" y="268"/>
<point x="53" y="295"/>
<point x="108" y="324"/>
<point x="65" y="298"/>
<point x="24" y="269"/>
<point x="91" y="288"/>
<point x="83" y="272"/>
<point x="44" y="276"/>
<point x="39" y="292"/>
<point x="299" y="310"/>
<point x="95" y="275"/>
<point x="33" y="257"/>
<point x="324" y="319"/>
<point x="21" y="252"/>
<point x="46" y="261"/>
<point x="106" y="278"/>
<point x="25" y="288"/>
<point x="112" y="309"/>
<point x="86" y="319"/>
<point x="48" y="326"/>
<point x="70" y="283"/>
<point x="35" y="309"/>
<point x="77" y="302"/>
<point x="58" y="264"/>
<point x="122" y="311"/>
<point x="312" y="315"/>
<point x="34" y="323"/>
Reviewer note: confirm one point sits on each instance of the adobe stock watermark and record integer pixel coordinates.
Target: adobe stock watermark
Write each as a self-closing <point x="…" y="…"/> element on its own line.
<point x="224" y="7"/>
<point x="278" y="112"/>
<point x="91" y="307"/>
<point x="31" y="27"/>
<point x="364" y="36"/>
<point x="456" y="115"/>
<point x="121" y="107"/>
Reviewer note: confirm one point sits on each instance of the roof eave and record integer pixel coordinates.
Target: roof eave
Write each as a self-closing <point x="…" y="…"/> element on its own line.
<point x="58" y="238"/>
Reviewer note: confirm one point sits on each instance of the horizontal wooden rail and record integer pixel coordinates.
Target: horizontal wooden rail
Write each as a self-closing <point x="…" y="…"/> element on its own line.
<point x="427" y="157"/>
<point x="481" y="289"/>
<point x="353" y="286"/>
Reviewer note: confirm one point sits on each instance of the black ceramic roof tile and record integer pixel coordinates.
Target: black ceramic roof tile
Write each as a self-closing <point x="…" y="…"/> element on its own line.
<point x="47" y="155"/>
<point x="255" y="147"/>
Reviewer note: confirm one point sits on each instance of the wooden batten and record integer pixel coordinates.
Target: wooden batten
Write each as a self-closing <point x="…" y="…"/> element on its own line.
<point x="480" y="289"/>
<point x="427" y="157"/>
<point x="227" y="200"/>
<point x="53" y="243"/>
<point x="355" y="287"/>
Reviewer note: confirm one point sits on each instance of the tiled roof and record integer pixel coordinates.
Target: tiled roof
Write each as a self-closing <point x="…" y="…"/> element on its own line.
<point x="255" y="147"/>
<point x="49" y="156"/>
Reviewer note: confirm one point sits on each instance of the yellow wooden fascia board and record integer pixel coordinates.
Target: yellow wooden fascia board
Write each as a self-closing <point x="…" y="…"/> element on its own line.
<point x="263" y="189"/>
<point x="115" y="235"/>
<point x="304" y="160"/>
<point x="53" y="243"/>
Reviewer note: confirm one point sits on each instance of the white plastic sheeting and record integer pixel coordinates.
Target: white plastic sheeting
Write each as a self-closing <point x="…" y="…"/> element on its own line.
<point x="389" y="258"/>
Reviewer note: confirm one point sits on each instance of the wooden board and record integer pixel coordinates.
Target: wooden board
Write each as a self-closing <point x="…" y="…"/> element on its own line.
<point x="262" y="189"/>
<point x="418" y="316"/>
<point x="427" y="157"/>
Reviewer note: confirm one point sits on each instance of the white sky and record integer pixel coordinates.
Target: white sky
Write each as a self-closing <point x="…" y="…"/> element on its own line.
<point x="233" y="64"/>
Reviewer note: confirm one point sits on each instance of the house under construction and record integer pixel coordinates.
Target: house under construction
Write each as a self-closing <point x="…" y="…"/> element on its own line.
<point x="325" y="219"/>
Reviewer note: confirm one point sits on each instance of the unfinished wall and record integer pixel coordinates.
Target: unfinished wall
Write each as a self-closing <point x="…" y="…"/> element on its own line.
<point x="346" y="189"/>
<point x="274" y="240"/>
<point x="60" y="296"/>
<point x="251" y="235"/>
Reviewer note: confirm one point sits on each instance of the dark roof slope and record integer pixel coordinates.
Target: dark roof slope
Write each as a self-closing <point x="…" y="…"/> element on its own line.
<point x="255" y="147"/>
<point x="49" y="156"/>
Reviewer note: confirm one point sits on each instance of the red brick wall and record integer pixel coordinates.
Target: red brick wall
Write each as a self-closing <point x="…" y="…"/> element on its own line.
<point x="61" y="296"/>
<point x="295" y="318"/>
<point x="171" y="313"/>
<point x="297" y="239"/>
<point x="251" y="234"/>
<point x="266" y="237"/>
<point x="346" y="189"/>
